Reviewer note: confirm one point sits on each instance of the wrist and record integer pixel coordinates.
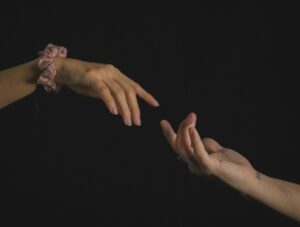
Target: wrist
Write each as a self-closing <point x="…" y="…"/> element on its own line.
<point x="59" y="66"/>
<point x="253" y="183"/>
<point x="30" y="79"/>
<point x="25" y="77"/>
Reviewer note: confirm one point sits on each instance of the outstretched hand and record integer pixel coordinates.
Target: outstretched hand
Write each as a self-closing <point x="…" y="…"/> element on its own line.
<point x="104" y="81"/>
<point x="208" y="157"/>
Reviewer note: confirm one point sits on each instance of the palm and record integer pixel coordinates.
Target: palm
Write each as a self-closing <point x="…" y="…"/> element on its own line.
<point x="231" y="166"/>
<point x="207" y="156"/>
<point x="229" y="156"/>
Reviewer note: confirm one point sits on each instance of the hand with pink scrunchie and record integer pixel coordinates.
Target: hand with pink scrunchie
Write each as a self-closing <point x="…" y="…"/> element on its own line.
<point x="53" y="70"/>
<point x="47" y="66"/>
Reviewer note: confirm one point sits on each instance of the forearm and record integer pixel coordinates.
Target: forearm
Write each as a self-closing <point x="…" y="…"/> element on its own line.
<point x="18" y="82"/>
<point x="280" y="195"/>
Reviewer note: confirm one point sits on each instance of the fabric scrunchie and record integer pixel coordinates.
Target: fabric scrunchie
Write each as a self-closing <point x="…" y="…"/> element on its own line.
<point x="47" y="66"/>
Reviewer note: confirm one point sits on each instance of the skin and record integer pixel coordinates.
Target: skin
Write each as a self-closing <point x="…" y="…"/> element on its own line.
<point x="207" y="157"/>
<point x="119" y="93"/>
<point x="103" y="81"/>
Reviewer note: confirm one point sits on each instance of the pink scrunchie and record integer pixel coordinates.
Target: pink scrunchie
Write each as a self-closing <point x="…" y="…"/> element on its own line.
<point x="47" y="66"/>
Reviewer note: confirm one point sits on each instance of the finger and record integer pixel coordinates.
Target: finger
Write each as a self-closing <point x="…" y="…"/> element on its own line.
<point x="183" y="133"/>
<point x="168" y="132"/>
<point x="187" y="121"/>
<point x="134" y="108"/>
<point x="199" y="151"/>
<point x="103" y="92"/>
<point x="211" y="146"/>
<point x="142" y="93"/>
<point x="145" y="95"/>
<point x="120" y="98"/>
<point x="132" y="101"/>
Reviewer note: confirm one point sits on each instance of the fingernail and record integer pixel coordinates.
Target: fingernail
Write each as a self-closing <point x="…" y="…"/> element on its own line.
<point x="156" y="103"/>
<point x="191" y="122"/>
<point x="137" y="121"/>
<point x="114" y="110"/>
<point x="127" y="121"/>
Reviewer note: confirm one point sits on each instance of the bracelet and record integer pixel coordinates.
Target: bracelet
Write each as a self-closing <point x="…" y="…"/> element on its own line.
<point x="47" y="66"/>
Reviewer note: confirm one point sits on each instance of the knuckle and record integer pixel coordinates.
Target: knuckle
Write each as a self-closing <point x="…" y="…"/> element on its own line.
<point x="119" y="92"/>
<point x="110" y="67"/>
<point x="136" y="86"/>
<point x="100" y="87"/>
<point x="103" y="88"/>
<point x="130" y="91"/>
<point x="93" y="72"/>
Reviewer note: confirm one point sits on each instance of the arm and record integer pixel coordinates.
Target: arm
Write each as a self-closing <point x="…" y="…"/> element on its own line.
<point x="280" y="195"/>
<point x="17" y="82"/>
<point x="102" y="81"/>
<point x="207" y="157"/>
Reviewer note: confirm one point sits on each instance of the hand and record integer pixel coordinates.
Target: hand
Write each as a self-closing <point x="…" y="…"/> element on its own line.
<point x="207" y="157"/>
<point x="118" y="92"/>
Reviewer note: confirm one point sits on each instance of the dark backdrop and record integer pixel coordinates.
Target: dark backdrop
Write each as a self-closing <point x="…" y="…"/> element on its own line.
<point x="65" y="156"/>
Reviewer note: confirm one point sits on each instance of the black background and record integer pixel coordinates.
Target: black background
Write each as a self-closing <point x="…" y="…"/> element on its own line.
<point x="65" y="156"/>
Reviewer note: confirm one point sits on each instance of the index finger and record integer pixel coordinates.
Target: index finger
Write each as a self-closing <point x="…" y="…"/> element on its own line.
<point x="141" y="92"/>
<point x="146" y="96"/>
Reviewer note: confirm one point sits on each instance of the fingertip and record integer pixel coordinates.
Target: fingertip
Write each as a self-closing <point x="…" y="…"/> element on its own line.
<point x="137" y="120"/>
<point x="163" y="123"/>
<point x="127" y="121"/>
<point x="114" y="110"/>
<point x="154" y="103"/>
<point x="148" y="98"/>
<point x="190" y="120"/>
<point x="193" y="115"/>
